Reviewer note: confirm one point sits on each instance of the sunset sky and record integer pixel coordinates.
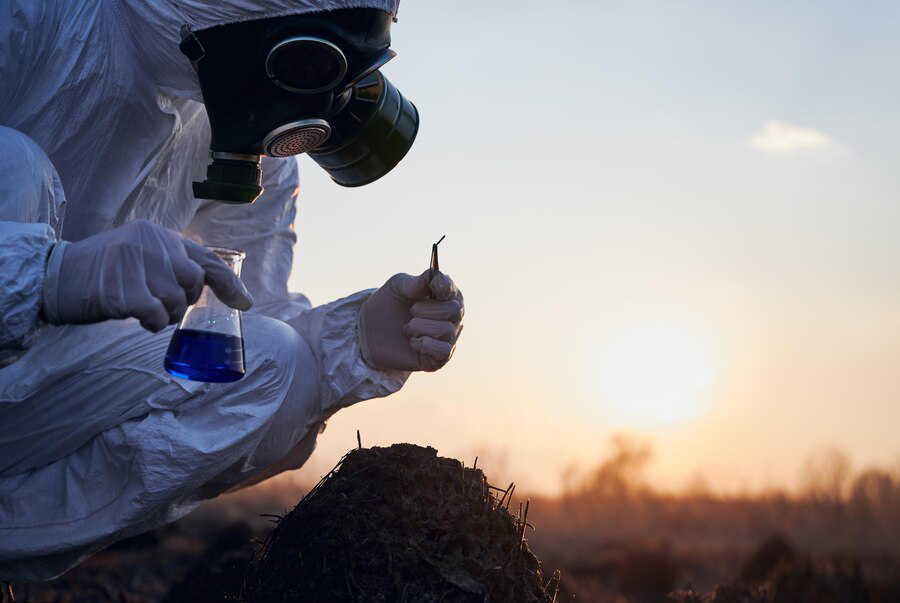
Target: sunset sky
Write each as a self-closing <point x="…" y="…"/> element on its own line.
<point x="676" y="220"/>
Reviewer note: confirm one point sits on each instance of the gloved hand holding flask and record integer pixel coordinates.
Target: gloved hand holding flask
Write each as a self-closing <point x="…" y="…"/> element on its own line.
<point x="138" y="270"/>
<point x="411" y="323"/>
<point x="79" y="154"/>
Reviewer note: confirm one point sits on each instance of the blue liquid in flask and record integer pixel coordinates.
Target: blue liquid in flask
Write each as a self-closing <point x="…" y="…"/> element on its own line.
<point x="205" y="356"/>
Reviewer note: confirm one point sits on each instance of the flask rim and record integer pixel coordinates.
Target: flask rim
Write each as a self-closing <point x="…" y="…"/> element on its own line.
<point x="226" y="253"/>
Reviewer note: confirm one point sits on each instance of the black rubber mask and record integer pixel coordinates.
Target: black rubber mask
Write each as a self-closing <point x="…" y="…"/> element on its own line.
<point x="299" y="84"/>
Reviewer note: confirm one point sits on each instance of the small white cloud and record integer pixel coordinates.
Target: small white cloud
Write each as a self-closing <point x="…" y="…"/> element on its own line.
<point x="779" y="137"/>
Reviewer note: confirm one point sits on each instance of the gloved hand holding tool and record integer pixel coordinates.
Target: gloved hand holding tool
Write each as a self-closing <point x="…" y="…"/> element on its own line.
<point x="138" y="270"/>
<point x="412" y="322"/>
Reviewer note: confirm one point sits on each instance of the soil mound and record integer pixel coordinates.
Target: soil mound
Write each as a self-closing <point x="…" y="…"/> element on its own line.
<point x="398" y="524"/>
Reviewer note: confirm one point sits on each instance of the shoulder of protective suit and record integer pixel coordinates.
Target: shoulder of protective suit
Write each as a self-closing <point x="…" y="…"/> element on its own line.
<point x="202" y="14"/>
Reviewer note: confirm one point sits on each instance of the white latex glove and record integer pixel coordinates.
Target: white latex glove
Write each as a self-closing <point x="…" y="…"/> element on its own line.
<point x="400" y="328"/>
<point x="138" y="270"/>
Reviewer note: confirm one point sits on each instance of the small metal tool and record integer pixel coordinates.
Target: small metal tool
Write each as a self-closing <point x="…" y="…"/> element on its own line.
<point x="434" y="268"/>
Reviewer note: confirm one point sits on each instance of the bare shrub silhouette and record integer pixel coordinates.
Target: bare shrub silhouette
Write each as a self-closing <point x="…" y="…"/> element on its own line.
<point x="621" y="476"/>
<point x="826" y="476"/>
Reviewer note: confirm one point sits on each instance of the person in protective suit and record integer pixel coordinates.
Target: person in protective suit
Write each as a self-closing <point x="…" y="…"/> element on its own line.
<point x="111" y="114"/>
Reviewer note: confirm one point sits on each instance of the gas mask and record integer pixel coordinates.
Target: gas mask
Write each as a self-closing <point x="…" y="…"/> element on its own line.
<point x="299" y="84"/>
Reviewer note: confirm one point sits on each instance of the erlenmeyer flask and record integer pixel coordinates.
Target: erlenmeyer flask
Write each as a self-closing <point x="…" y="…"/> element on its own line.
<point x="208" y="344"/>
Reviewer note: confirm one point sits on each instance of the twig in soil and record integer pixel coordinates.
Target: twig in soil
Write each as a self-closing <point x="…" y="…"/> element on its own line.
<point x="557" y="578"/>
<point x="272" y="518"/>
<point x="505" y="492"/>
<point x="524" y="523"/>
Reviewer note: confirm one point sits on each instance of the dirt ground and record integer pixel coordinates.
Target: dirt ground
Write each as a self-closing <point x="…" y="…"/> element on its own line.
<point x="613" y="540"/>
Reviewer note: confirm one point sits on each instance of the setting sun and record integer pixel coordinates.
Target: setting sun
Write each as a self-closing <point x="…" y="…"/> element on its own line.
<point x="654" y="374"/>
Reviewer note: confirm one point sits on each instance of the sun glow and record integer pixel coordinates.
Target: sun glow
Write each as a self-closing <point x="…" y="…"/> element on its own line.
<point x="654" y="374"/>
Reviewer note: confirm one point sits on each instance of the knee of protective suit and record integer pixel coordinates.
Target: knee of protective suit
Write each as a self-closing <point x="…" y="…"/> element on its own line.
<point x="32" y="191"/>
<point x="289" y="374"/>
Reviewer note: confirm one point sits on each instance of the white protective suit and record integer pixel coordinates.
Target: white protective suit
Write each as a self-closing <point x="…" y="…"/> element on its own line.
<point x="101" y="125"/>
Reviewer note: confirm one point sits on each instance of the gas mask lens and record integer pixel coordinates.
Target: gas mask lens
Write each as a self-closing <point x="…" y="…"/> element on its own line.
<point x="306" y="65"/>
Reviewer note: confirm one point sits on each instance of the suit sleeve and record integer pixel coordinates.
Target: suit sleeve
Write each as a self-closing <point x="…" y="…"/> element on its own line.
<point x="31" y="211"/>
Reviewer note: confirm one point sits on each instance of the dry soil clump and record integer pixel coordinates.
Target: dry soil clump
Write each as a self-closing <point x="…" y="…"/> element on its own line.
<point x="398" y="524"/>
